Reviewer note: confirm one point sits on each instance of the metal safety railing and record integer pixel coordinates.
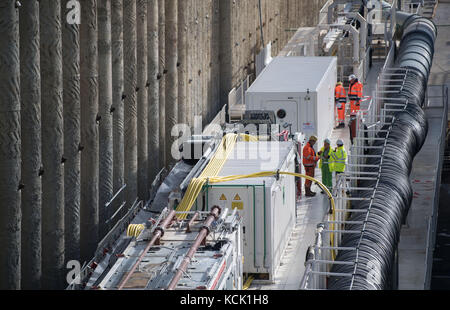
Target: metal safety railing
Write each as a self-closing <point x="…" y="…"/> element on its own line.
<point x="120" y="214"/>
<point x="425" y="8"/>
<point x="412" y="6"/>
<point x="107" y="243"/>
<point x="236" y="100"/>
<point x="376" y="118"/>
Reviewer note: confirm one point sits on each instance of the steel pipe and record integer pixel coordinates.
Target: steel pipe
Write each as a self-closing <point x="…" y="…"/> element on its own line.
<point x="157" y="234"/>
<point x="204" y="232"/>
<point x="191" y="222"/>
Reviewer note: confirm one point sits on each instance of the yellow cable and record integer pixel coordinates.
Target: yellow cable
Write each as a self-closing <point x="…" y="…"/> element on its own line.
<point x="211" y="170"/>
<point x="248" y="283"/>
<point x="248" y="138"/>
<point x="215" y="180"/>
<point x="134" y="230"/>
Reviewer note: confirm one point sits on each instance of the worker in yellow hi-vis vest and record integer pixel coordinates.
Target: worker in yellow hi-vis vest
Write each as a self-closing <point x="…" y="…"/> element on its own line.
<point x="339" y="158"/>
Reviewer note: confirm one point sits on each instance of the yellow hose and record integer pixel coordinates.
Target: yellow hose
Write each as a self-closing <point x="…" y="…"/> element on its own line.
<point x="248" y="283"/>
<point x="248" y="138"/>
<point x="134" y="230"/>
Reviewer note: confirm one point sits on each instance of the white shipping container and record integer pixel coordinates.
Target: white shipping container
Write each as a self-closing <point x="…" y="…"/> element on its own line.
<point x="300" y="90"/>
<point x="267" y="205"/>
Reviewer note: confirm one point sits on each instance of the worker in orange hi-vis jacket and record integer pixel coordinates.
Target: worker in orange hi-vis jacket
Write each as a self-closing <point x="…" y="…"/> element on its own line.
<point x="340" y="97"/>
<point x="355" y="94"/>
<point x="310" y="160"/>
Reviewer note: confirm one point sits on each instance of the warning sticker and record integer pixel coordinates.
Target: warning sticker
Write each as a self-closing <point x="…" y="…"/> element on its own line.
<point x="223" y="197"/>
<point x="309" y="126"/>
<point x="237" y="197"/>
<point x="237" y="205"/>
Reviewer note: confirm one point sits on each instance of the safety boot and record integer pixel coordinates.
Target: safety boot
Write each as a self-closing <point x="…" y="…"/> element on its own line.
<point x="309" y="193"/>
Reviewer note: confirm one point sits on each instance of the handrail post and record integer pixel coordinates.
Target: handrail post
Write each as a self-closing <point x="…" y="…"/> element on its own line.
<point x="318" y="255"/>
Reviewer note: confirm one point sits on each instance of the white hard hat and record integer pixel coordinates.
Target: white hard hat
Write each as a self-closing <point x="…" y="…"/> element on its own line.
<point x="327" y="141"/>
<point x="340" y="142"/>
<point x="352" y="77"/>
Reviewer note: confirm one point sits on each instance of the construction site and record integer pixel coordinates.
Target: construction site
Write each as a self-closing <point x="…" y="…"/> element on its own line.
<point x="224" y="145"/>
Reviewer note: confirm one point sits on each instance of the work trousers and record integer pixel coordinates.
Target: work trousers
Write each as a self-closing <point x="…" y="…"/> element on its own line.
<point x="309" y="172"/>
<point x="355" y="106"/>
<point x="341" y="115"/>
<point x="327" y="177"/>
<point x="340" y="107"/>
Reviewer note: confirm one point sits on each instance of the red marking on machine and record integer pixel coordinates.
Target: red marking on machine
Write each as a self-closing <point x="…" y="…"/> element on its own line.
<point x="219" y="275"/>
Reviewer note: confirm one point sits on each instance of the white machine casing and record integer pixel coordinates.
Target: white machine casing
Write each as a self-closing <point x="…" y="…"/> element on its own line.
<point x="301" y="86"/>
<point x="267" y="205"/>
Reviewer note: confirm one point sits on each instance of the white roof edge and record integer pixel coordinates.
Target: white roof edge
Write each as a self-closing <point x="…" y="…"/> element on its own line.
<point x="326" y="73"/>
<point x="331" y="60"/>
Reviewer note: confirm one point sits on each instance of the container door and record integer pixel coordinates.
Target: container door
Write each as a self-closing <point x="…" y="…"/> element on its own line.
<point x="307" y="116"/>
<point x="241" y="198"/>
<point x="286" y="112"/>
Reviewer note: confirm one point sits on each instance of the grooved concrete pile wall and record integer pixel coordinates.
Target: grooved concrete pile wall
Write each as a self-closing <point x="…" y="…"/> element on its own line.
<point x="89" y="93"/>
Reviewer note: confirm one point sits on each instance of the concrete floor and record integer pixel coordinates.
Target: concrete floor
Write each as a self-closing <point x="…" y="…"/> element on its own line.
<point x="440" y="279"/>
<point x="415" y="238"/>
<point x="371" y="80"/>
<point x="440" y="75"/>
<point x="440" y="72"/>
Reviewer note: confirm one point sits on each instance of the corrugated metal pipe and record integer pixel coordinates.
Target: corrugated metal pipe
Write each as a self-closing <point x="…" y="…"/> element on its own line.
<point x="376" y="246"/>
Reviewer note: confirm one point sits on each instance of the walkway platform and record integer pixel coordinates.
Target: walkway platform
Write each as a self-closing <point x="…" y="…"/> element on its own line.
<point x="418" y="235"/>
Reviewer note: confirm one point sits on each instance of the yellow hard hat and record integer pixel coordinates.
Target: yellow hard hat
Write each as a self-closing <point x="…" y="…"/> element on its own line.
<point x="313" y="138"/>
<point x="339" y="83"/>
